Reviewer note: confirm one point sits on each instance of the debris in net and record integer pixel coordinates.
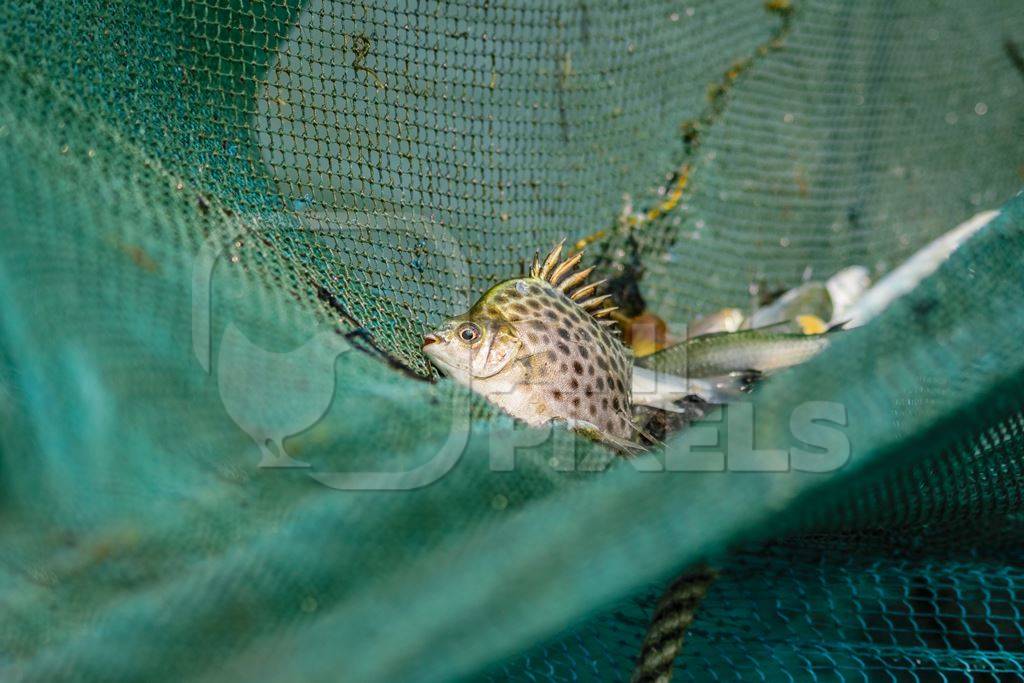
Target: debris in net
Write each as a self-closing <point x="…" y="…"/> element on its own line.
<point x="303" y="202"/>
<point x="782" y="7"/>
<point x="694" y="131"/>
<point x="139" y="257"/>
<point x="361" y="48"/>
<point x="1014" y="53"/>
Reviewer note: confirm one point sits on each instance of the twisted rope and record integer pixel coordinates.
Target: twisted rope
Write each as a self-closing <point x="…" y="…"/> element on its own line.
<point x="675" y="612"/>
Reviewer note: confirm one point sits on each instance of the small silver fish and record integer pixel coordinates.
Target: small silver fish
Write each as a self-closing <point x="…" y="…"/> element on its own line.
<point x="722" y="355"/>
<point x="541" y="348"/>
<point x="813" y="306"/>
<point x="808" y="299"/>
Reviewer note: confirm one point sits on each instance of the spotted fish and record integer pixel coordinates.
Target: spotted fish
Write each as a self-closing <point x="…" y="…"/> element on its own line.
<point x="543" y="348"/>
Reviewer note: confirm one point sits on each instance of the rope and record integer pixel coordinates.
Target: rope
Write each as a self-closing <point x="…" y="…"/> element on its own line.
<point x="675" y="612"/>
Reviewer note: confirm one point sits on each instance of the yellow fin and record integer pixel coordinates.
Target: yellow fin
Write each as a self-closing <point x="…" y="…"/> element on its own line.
<point x="811" y="324"/>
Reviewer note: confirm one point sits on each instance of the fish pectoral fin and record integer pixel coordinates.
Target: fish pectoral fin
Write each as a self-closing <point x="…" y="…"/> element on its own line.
<point x="595" y="433"/>
<point x="647" y="437"/>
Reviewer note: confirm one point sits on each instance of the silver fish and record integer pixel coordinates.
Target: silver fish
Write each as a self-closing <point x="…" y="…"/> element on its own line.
<point x="720" y="366"/>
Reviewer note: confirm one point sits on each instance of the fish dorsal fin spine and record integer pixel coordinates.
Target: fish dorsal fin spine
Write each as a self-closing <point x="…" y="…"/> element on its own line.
<point x="560" y="275"/>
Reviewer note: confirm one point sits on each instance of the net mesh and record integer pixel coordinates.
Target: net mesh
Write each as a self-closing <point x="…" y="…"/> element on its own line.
<point x="227" y="224"/>
<point x="819" y="609"/>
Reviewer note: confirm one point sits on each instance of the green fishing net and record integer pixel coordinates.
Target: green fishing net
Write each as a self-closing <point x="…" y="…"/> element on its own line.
<point x="224" y="227"/>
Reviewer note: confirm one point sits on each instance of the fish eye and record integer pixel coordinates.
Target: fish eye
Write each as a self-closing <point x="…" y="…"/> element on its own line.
<point x="468" y="332"/>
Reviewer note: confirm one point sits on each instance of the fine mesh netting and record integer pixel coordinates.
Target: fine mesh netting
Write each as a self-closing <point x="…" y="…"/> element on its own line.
<point x="226" y="225"/>
<point x="807" y="611"/>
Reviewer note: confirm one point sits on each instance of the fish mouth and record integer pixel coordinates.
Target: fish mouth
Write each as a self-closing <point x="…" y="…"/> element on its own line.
<point x="432" y="343"/>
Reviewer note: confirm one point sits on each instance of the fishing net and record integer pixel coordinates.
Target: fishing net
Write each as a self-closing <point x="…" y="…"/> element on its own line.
<point x="225" y="226"/>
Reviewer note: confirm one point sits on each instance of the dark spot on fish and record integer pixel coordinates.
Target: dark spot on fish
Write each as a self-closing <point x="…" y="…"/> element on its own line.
<point x="583" y="351"/>
<point x="604" y="403"/>
<point x="556" y="394"/>
<point x="537" y="324"/>
<point x="550" y="314"/>
<point x="600" y="384"/>
<point x="519" y="309"/>
<point x="563" y="367"/>
<point x="535" y="290"/>
<point x="588" y="390"/>
<point x="564" y="334"/>
<point x="531" y="337"/>
<point x="574" y="384"/>
<point x="577" y="367"/>
<point x="590" y="370"/>
<point x="615" y="403"/>
<point x="602" y="363"/>
<point x="552" y="355"/>
<point x="593" y="409"/>
<point x="576" y="401"/>
<point x="563" y="348"/>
